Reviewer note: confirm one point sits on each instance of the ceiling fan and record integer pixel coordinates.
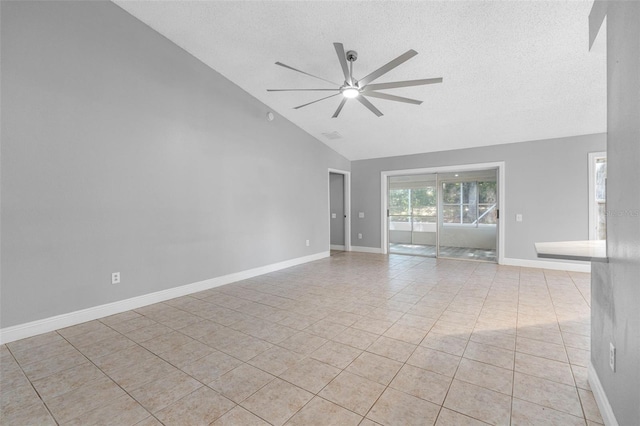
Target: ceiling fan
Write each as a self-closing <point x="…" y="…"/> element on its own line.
<point x="361" y="89"/>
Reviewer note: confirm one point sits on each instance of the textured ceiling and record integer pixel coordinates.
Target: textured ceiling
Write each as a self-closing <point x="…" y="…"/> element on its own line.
<point x="513" y="70"/>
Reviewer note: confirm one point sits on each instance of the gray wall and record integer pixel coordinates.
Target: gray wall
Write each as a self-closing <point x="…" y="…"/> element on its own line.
<point x="336" y="203"/>
<point x="615" y="287"/>
<point x="546" y="181"/>
<point x="121" y="152"/>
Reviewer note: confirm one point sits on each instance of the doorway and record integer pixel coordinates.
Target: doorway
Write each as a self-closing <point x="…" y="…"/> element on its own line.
<point x="339" y="208"/>
<point x="446" y="212"/>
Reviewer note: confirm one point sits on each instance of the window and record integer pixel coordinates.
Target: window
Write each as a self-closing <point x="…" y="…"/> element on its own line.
<point x="412" y="209"/>
<point x="597" y="196"/>
<point x="399" y="209"/>
<point x="471" y="203"/>
<point x="424" y="204"/>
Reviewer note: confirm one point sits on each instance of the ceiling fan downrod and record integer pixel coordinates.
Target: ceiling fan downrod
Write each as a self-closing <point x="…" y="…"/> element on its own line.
<point x="352" y="56"/>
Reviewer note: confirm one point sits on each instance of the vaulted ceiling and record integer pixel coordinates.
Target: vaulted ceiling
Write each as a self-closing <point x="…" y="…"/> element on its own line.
<point x="513" y="70"/>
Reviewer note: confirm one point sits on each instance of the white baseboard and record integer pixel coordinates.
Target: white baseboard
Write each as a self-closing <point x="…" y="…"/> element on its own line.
<point x="22" y="331"/>
<point x="362" y="249"/>
<point x="546" y="264"/>
<point x="336" y="247"/>
<point x="601" y="398"/>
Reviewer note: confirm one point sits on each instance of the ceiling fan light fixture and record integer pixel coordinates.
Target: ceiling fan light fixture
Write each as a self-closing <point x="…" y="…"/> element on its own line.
<point x="350" y="92"/>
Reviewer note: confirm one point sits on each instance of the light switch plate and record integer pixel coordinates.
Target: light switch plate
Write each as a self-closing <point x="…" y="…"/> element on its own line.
<point x="361" y="215"/>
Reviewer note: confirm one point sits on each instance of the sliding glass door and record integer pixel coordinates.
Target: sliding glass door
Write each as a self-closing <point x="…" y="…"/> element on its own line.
<point x="451" y="215"/>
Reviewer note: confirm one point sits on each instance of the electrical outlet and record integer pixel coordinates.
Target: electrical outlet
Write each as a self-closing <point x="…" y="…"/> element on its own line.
<point x="359" y="236"/>
<point x="307" y="243"/>
<point x="612" y="357"/>
<point x="115" y="278"/>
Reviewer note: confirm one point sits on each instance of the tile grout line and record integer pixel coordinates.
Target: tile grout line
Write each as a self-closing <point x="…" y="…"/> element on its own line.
<point x="32" y="386"/>
<point x="555" y="313"/>
<point x="515" y="348"/>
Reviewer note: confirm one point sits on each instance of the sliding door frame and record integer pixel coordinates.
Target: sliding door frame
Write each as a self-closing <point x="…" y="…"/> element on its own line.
<point x="384" y="191"/>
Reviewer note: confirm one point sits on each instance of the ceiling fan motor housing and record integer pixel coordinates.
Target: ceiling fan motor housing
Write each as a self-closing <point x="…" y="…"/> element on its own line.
<point x="352" y="55"/>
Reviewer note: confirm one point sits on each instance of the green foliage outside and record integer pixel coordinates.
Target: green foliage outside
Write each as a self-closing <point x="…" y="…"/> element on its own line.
<point x="463" y="202"/>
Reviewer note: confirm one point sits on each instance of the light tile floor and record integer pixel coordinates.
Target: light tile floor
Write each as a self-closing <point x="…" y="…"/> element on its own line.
<point x="352" y="339"/>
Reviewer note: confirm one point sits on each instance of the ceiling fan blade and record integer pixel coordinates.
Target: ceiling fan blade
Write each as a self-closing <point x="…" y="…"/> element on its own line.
<point x="387" y="67"/>
<point x="318" y="100"/>
<point x="364" y="101"/>
<point x="391" y="97"/>
<point x="335" y="114"/>
<point x="342" y="57"/>
<point x="306" y="73"/>
<point x="301" y="90"/>
<point x="406" y="83"/>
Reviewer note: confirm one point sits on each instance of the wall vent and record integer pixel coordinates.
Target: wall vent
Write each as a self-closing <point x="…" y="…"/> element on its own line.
<point x="332" y="135"/>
